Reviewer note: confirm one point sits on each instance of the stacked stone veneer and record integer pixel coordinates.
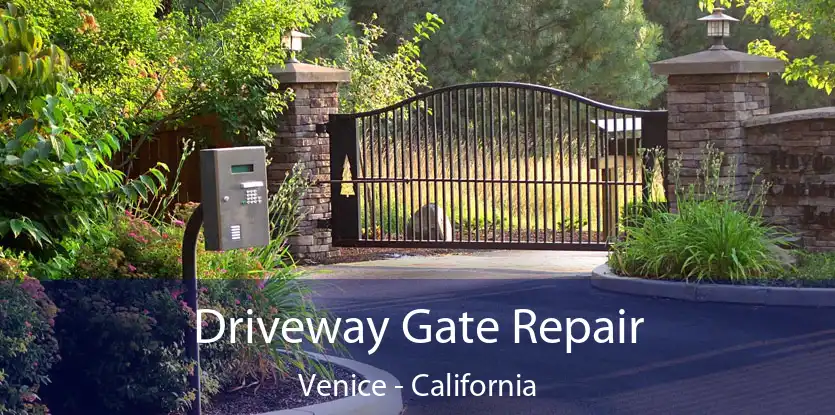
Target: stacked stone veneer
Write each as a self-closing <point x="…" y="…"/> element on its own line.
<point x="720" y="97"/>
<point x="316" y="92"/>
<point x="796" y="153"/>
<point x="711" y="108"/>
<point x="298" y="141"/>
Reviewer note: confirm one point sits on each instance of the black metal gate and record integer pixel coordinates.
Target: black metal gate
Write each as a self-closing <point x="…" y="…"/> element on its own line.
<point x="491" y="165"/>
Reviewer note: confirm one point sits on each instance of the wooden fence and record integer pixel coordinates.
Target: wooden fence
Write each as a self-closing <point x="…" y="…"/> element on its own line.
<point x="167" y="147"/>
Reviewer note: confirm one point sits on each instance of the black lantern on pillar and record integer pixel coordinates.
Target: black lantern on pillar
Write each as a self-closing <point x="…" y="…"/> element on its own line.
<point x="718" y="27"/>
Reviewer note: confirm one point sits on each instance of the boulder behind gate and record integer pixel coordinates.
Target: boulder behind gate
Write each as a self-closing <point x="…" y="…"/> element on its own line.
<point x="429" y="223"/>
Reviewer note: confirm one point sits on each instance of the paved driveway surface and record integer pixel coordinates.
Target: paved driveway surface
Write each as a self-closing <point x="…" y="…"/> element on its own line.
<point x="689" y="358"/>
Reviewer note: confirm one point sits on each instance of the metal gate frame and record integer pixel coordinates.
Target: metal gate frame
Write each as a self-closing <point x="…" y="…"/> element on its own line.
<point x="346" y="141"/>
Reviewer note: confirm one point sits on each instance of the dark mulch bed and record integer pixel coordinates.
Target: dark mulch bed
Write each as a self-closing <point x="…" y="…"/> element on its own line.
<point x="275" y="396"/>
<point x="346" y="255"/>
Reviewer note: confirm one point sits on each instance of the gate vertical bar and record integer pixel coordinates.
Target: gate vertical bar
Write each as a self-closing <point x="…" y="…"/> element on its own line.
<point x="598" y="194"/>
<point x="378" y="124"/>
<point x="410" y="155"/>
<point x="394" y="140"/>
<point x="484" y="132"/>
<point x="425" y="175"/>
<point x="502" y="114"/>
<point x="475" y="178"/>
<point x="387" y="175"/>
<point x="544" y="174"/>
<point x="492" y="117"/>
<point x="404" y="156"/>
<point x="518" y="171"/>
<point x="444" y="164"/>
<point x="535" y="171"/>
<point x="458" y="133"/>
<point x="625" y="138"/>
<point x="527" y="182"/>
<point x="363" y="169"/>
<point x="570" y="178"/>
<point x="562" y="171"/>
<point x="587" y="160"/>
<point x="435" y="164"/>
<point x="635" y="159"/>
<point x="553" y="158"/>
<point x="579" y="174"/>
<point x="467" y="161"/>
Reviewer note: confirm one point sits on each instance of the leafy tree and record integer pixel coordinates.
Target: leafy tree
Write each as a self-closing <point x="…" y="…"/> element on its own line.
<point x="378" y="81"/>
<point x="29" y="67"/>
<point x="596" y="48"/>
<point x="684" y="34"/>
<point x="327" y="41"/>
<point x="54" y="163"/>
<point x="179" y="59"/>
<point x="801" y="19"/>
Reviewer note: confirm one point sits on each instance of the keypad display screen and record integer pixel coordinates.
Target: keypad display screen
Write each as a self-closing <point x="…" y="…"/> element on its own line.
<point x="242" y="168"/>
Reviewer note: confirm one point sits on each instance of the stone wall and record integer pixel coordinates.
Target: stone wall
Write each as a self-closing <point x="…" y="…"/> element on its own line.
<point x="711" y="109"/>
<point x="298" y="141"/>
<point x="796" y="152"/>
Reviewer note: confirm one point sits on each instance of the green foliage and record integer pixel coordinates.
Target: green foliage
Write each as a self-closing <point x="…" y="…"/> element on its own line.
<point x="378" y="81"/>
<point x="684" y="34"/>
<point x="815" y="269"/>
<point x="712" y="236"/>
<point x="140" y="367"/>
<point x="600" y="49"/>
<point x="177" y="60"/>
<point x="28" y="347"/>
<point x="801" y="19"/>
<point x="327" y="38"/>
<point x="55" y="155"/>
<point x="126" y="288"/>
<point x="635" y="213"/>
<point x="29" y="67"/>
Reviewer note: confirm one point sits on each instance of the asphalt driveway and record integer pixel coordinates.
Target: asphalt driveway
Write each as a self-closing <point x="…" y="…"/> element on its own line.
<point x="689" y="358"/>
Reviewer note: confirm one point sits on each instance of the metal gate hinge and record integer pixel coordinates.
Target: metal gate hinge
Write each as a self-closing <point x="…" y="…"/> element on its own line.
<point x="321" y="128"/>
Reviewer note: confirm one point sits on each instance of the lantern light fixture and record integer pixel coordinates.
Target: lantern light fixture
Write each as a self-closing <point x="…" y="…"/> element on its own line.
<point x="718" y="27"/>
<point x="292" y="41"/>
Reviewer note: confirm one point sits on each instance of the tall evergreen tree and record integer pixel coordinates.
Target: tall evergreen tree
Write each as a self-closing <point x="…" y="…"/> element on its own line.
<point x="597" y="48"/>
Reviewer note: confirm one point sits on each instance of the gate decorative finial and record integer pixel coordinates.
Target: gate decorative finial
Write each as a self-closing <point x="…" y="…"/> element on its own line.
<point x="347" y="187"/>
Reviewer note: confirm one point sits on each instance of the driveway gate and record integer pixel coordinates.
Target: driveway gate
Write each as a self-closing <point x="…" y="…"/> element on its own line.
<point x="491" y="165"/>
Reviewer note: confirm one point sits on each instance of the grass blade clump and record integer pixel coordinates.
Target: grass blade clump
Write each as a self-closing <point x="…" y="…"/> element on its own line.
<point x="716" y="234"/>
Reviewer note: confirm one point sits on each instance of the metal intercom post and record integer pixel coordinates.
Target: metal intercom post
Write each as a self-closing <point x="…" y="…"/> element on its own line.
<point x="234" y="214"/>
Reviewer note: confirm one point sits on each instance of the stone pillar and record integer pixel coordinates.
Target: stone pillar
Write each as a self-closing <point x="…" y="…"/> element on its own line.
<point x="710" y="95"/>
<point x="316" y="91"/>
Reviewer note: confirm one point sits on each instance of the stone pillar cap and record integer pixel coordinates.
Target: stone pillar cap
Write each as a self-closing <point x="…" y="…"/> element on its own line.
<point x="305" y="73"/>
<point x="719" y="62"/>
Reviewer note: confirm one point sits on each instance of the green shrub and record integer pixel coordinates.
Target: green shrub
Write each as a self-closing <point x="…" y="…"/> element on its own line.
<point x="28" y="348"/>
<point x="816" y="269"/>
<point x="382" y="80"/>
<point x="55" y="154"/>
<point x="124" y="314"/>
<point x="121" y="343"/>
<point x="635" y="213"/>
<point x="714" y="235"/>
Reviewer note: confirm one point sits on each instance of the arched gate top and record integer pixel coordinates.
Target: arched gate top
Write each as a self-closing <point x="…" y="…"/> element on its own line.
<point x="517" y="85"/>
